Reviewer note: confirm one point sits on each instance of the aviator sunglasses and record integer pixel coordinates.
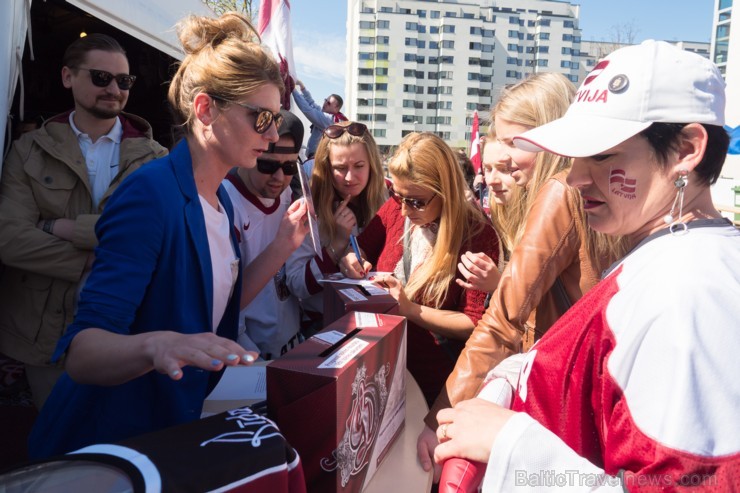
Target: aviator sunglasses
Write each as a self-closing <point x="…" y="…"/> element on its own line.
<point x="354" y="128"/>
<point x="268" y="167"/>
<point x="264" y="117"/>
<point x="416" y="204"/>
<point x="101" y="78"/>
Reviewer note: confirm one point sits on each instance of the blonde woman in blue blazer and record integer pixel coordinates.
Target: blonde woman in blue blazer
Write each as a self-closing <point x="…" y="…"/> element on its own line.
<point x="157" y="320"/>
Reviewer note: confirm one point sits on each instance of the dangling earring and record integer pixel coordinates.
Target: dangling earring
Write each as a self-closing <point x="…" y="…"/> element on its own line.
<point x="676" y="226"/>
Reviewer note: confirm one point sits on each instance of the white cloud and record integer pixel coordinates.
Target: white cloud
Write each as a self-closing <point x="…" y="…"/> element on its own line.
<point x="319" y="56"/>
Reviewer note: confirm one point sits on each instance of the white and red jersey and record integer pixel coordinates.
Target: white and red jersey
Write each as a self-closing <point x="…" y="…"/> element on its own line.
<point x="638" y="385"/>
<point x="271" y="322"/>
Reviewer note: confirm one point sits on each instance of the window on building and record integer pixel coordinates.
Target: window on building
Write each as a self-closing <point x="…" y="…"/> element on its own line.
<point x="565" y="64"/>
<point x="514" y="34"/>
<point x="432" y="90"/>
<point x="380" y="117"/>
<point x="434" y="60"/>
<point x="421" y="13"/>
<point x="450" y="14"/>
<point x="530" y="24"/>
<point x="364" y="117"/>
<point x="475" y="30"/>
<point x="433" y="75"/>
<point x="443" y="135"/>
<point x="365" y="71"/>
<point x="473" y="61"/>
<point x="367" y="56"/>
<point x="446" y="59"/>
<point x="475" y="46"/>
<point x="419" y="59"/>
<point x="512" y="60"/>
<point x="543" y="49"/>
<point x="725" y="4"/>
<point x="572" y="78"/>
<point x="411" y="26"/>
<point x="488" y="33"/>
<point x="367" y="25"/>
<point x="434" y="14"/>
<point x="511" y="47"/>
<point x="447" y="28"/>
<point x="544" y="35"/>
<point x="364" y="87"/>
<point x="569" y="24"/>
<point x="381" y="102"/>
<point x="410" y="41"/>
<point x="381" y="86"/>
<point x="542" y="62"/>
<point x="410" y="103"/>
<point x="363" y="102"/>
<point x="446" y="74"/>
<point x="384" y="24"/>
<point x="409" y="88"/>
<point x="422" y="29"/>
<point x="486" y="48"/>
<point x="486" y="63"/>
<point x="386" y="9"/>
<point x="381" y="71"/>
<point x="513" y="20"/>
<point x="379" y="132"/>
<point x="382" y="55"/>
<point x="512" y="74"/>
<point x="544" y="22"/>
<point x="367" y="40"/>
<point x="382" y="40"/>
<point x="433" y="45"/>
<point x="433" y="29"/>
<point x="447" y="43"/>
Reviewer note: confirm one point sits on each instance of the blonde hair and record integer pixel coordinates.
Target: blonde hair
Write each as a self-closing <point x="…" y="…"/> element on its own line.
<point x="223" y="58"/>
<point x="425" y="160"/>
<point x="504" y="217"/>
<point x="324" y="194"/>
<point x="539" y="99"/>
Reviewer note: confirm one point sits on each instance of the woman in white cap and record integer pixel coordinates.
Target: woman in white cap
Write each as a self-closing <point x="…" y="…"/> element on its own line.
<point x="636" y="386"/>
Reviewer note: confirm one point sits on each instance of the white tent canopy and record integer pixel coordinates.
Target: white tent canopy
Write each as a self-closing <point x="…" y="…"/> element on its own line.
<point x="150" y="21"/>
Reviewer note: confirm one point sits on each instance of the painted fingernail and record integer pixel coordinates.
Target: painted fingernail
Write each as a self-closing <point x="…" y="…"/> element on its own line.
<point x="215" y="362"/>
<point x="248" y="358"/>
<point x="175" y="373"/>
<point x="232" y="357"/>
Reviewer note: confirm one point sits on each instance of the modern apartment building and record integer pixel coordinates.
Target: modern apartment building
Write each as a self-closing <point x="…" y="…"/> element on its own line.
<point x="427" y="65"/>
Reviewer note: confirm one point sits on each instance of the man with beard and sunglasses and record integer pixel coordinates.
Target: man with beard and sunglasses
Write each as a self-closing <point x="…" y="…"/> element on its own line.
<point x="261" y="196"/>
<point x="55" y="183"/>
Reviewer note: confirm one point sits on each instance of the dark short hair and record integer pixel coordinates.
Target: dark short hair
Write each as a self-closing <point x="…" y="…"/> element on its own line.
<point x="663" y="138"/>
<point x="75" y="53"/>
<point x="339" y="99"/>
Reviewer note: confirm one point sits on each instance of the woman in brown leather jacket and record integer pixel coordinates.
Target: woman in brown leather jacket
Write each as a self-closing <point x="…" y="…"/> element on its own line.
<point x="555" y="258"/>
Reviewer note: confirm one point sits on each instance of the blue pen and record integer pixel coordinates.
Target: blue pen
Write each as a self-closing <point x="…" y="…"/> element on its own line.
<point x="356" y="249"/>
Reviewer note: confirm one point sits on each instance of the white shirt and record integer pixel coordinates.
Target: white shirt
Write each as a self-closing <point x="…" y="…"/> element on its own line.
<point x="224" y="263"/>
<point x="102" y="157"/>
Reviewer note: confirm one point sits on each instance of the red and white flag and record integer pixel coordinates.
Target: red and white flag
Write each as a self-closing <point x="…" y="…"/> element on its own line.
<point x="275" y="30"/>
<point x="475" y="157"/>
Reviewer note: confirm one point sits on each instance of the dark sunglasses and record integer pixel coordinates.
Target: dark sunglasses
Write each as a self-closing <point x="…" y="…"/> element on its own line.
<point x="264" y="117"/>
<point x="354" y="128"/>
<point x="101" y="78"/>
<point x="416" y="204"/>
<point x="268" y="167"/>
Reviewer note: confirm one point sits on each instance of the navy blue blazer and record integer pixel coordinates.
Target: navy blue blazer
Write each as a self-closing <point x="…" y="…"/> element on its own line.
<point x="152" y="272"/>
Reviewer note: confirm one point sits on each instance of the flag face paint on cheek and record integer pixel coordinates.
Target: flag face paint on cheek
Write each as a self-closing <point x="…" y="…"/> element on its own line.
<point x="621" y="185"/>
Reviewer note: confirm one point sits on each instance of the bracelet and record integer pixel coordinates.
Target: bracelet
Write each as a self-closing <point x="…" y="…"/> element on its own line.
<point x="48" y="226"/>
<point x="333" y="253"/>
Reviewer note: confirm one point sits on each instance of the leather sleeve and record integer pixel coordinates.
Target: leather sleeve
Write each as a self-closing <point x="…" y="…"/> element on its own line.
<point x="549" y="245"/>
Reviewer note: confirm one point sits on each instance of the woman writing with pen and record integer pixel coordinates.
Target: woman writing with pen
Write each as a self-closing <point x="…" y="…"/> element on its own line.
<point x="418" y="237"/>
<point x="348" y="188"/>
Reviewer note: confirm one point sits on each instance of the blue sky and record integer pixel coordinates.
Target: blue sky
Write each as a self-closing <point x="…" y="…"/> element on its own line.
<point x="319" y="31"/>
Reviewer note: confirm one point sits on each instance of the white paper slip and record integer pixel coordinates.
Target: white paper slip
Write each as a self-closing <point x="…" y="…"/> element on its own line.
<point x="373" y="290"/>
<point x="352" y="294"/>
<point x="364" y="319"/>
<point x="331" y="337"/>
<point x="344" y="354"/>
<point x="241" y="383"/>
<point x="366" y="281"/>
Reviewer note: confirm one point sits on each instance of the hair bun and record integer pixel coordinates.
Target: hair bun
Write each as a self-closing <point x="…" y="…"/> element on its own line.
<point x="197" y="32"/>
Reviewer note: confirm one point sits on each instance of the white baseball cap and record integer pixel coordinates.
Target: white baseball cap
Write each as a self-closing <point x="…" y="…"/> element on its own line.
<point x="625" y="93"/>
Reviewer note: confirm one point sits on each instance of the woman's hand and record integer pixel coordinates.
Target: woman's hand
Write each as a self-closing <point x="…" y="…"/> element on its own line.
<point x="294" y="226"/>
<point x="469" y="429"/>
<point x="425" y="446"/>
<point x="345" y="220"/>
<point x="349" y="265"/>
<point x="171" y="351"/>
<point x="395" y="289"/>
<point x="480" y="272"/>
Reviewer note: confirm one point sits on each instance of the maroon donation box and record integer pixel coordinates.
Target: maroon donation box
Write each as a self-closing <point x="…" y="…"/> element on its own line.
<point x="341" y="298"/>
<point x="340" y="399"/>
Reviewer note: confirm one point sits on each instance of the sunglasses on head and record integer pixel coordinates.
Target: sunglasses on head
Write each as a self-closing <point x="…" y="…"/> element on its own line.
<point x="263" y="117"/>
<point x="268" y="167"/>
<point x="354" y="128"/>
<point x="101" y="78"/>
<point x="416" y="204"/>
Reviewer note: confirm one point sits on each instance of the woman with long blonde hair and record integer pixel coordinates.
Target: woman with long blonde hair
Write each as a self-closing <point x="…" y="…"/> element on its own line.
<point x="418" y="238"/>
<point x="555" y="258"/>
<point x="348" y="188"/>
